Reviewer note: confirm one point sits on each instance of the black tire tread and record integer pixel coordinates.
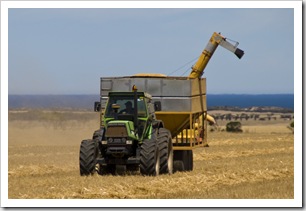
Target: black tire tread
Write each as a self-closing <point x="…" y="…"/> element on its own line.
<point x="88" y="153"/>
<point x="164" y="149"/>
<point x="148" y="157"/>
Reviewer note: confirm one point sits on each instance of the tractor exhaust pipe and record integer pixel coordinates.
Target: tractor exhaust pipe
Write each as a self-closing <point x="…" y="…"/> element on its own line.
<point x="134" y="88"/>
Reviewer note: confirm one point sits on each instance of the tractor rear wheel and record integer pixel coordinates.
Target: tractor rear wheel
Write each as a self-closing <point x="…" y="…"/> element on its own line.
<point x="88" y="155"/>
<point x="166" y="151"/>
<point x="132" y="167"/>
<point x="106" y="169"/>
<point x="120" y="170"/>
<point x="149" y="158"/>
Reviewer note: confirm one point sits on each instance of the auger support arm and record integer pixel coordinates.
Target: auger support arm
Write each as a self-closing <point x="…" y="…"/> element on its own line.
<point x="215" y="40"/>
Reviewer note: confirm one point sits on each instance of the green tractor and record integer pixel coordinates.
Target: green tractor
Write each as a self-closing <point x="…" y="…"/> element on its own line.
<point x="130" y="138"/>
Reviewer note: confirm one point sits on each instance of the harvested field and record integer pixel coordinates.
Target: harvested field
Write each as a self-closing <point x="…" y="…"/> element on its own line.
<point x="43" y="163"/>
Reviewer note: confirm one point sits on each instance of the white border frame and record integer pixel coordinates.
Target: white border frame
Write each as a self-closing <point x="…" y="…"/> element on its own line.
<point x="296" y="202"/>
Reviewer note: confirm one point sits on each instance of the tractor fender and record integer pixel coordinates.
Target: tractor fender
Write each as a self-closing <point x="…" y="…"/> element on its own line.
<point x="156" y="124"/>
<point x="99" y="134"/>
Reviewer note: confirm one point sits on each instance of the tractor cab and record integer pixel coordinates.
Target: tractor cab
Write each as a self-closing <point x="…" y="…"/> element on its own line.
<point x="122" y="106"/>
<point x="133" y="109"/>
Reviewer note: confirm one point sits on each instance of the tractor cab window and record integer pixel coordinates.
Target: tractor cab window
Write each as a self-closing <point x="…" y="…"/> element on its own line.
<point x="125" y="105"/>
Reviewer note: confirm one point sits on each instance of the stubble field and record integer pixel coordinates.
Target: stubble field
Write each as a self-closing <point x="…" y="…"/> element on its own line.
<point x="43" y="163"/>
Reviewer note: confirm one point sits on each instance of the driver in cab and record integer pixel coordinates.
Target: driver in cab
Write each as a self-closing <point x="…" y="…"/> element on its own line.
<point x="128" y="108"/>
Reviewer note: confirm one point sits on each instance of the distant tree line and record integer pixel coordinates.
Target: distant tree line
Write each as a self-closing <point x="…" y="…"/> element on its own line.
<point x="259" y="109"/>
<point x="244" y="116"/>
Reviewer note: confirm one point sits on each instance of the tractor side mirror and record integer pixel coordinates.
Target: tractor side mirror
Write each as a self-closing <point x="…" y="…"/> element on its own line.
<point x="157" y="106"/>
<point x="97" y="107"/>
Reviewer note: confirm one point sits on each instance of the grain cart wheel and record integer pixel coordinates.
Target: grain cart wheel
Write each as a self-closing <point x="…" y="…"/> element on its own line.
<point x="188" y="160"/>
<point x="88" y="155"/>
<point x="183" y="160"/>
<point x="178" y="165"/>
<point x="166" y="151"/>
<point x="149" y="158"/>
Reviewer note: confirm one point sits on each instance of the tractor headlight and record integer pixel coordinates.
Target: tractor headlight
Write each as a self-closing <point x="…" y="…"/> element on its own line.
<point x="104" y="142"/>
<point x="129" y="141"/>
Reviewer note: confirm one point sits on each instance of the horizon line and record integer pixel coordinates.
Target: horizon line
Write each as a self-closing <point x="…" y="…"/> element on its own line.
<point x="206" y="94"/>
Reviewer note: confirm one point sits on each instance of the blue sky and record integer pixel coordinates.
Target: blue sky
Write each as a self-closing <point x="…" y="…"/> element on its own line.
<point x="66" y="51"/>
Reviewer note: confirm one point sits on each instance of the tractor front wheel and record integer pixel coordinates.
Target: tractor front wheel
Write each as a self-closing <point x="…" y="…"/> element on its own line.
<point x="88" y="155"/>
<point x="149" y="158"/>
<point x="166" y="151"/>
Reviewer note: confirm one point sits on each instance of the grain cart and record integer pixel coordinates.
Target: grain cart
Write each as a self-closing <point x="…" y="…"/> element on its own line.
<point x="150" y="122"/>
